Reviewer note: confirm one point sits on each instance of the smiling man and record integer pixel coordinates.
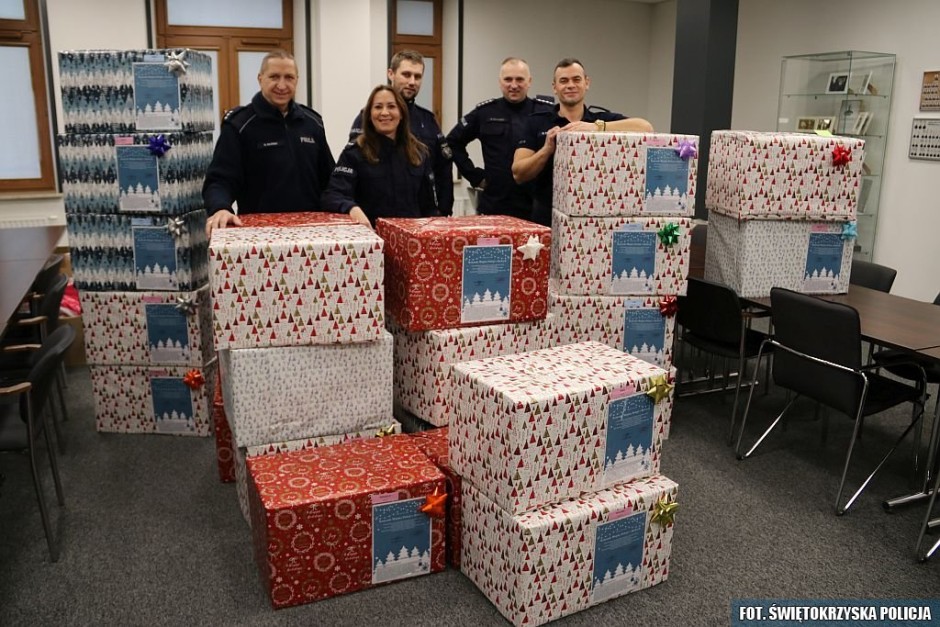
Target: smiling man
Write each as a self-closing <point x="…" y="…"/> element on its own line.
<point x="498" y="124"/>
<point x="272" y="154"/>
<point x="535" y="150"/>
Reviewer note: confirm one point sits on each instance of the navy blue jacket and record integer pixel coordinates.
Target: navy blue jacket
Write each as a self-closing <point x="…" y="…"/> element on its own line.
<point x="391" y="188"/>
<point x="424" y="126"/>
<point x="498" y="124"/>
<point x="269" y="162"/>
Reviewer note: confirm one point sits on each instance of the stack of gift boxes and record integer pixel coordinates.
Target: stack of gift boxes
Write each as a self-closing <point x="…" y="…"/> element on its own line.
<point x="137" y="144"/>
<point x="782" y="211"/>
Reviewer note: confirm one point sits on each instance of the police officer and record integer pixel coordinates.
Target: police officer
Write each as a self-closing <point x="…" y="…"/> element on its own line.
<point x="405" y="73"/>
<point x="272" y="154"/>
<point x="498" y="124"/>
<point x="534" y="156"/>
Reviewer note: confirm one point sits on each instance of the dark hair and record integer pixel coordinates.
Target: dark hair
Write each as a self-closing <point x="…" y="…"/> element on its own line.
<point x="279" y="53"/>
<point x="405" y="55"/>
<point x="568" y="62"/>
<point x="368" y="142"/>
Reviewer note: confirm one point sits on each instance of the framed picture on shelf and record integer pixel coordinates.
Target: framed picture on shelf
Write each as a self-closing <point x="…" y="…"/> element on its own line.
<point x="824" y="123"/>
<point x="806" y="124"/>
<point x="863" y="193"/>
<point x="864" y="120"/>
<point x="849" y="111"/>
<point x="859" y="82"/>
<point x="838" y="83"/>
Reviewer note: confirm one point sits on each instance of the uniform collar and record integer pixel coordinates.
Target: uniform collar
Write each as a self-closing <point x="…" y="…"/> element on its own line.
<point x="265" y="108"/>
<point x="588" y="115"/>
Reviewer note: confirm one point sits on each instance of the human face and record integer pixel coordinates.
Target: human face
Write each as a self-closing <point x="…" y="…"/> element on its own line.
<point x="570" y="85"/>
<point x="278" y="81"/>
<point x="406" y="80"/>
<point x="385" y="114"/>
<point x="514" y="81"/>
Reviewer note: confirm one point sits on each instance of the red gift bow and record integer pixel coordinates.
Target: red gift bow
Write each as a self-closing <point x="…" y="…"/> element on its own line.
<point x="194" y="379"/>
<point x="434" y="504"/>
<point x="668" y="305"/>
<point x="841" y="155"/>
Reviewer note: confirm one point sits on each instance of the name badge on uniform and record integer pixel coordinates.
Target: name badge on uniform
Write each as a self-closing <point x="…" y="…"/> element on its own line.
<point x="270" y="144"/>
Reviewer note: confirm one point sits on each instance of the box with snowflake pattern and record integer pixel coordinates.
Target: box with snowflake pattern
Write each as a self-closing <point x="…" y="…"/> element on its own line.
<point x="444" y="273"/>
<point x="561" y="559"/>
<point x="544" y="426"/>
<point x="341" y="518"/>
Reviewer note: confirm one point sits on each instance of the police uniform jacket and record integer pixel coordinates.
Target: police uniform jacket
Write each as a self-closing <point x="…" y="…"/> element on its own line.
<point x="533" y="138"/>
<point x="391" y="188"/>
<point x="269" y="162"/>
<point x="424" y="126"/>
<point x="498" y="124"/>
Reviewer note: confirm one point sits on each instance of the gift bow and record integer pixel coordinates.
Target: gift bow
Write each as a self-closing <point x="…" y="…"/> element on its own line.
<point x="532" y="247"/>
<point x="849" y="230"/>
<point x="194" y="379"/>
<point x="176" y="62"/>
<point x="669" y="234"/>
<point x="664" y="511"/>
<point x="668" y="305"/>
<point x="185" y="305"/>
<point x="434" y="504"/>
<point x="687" y="149"/>
<point x="841" y="155"/>
<point x="659" y="388"/>
<point x="385" y="431"/>
<point x="159" y="145"/>
<point x="175" y="226"/>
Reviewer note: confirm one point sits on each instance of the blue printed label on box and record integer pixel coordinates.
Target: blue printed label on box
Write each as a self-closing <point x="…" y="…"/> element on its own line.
<point x="155" y="258"/>
<point x="667" y="181"/>
<point x="823" y="262"/>
<point x="138" y="178"/>
<point x="633" y="262"/>
<point x="401" y="540"/>
<point x="644" y="334"/>
<point x="172" y="405"/>
<point x="618" y="557"/>
<point x="486" y="283"/>
<point x="629" y="449"/>
<point x="167" y="334"/>
<point x="156" y="98"/>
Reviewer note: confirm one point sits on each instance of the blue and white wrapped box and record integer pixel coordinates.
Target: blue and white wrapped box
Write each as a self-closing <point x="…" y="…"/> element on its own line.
<point x="129" y="91"/>
<point x="138" y="253"/>
<point x="148" y="328"/>
<point x="294" y="392"/>
<point x="106" y="173"/>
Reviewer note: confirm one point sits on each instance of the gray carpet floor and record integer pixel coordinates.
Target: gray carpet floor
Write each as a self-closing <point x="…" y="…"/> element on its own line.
<point x="151" y="537"/>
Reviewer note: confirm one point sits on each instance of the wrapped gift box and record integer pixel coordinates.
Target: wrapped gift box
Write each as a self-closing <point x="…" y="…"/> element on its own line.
<point x="753" y="256"/>
<point x="128" y="91"/>
<point x="104" y="173"/>
<point x="624" y="174"/>
<point x="242" y="454"/>
<point x="423" y="359"/>
<point x="291" y="393"/>
<point x="593" y="256"/>
<point x="545" y="426"/>
<point x="299" y="218"/>
<point x="561" y="559"/>
<point x="783" y="176"/>
<point x="433" y="443"/>
<point x="445" y="273"/>
<point x="224" y="447"/>
<point x="138" y="399"/>
<point x="121" y="253"/>
<point x="294" y="287"/>
<point x="342" y="518"/>
<point x="148" y="328"/>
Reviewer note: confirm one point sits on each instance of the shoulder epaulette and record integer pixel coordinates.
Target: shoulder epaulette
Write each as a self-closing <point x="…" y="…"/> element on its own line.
<point x="486" y="102"/>
<point x="597" y="109"/>
<point x="428" y="111"/>
<point x="546" y="100"/>
<point x="310" y="113"/>
<point x="234" y="111"/>
<point x="239" y="116"/>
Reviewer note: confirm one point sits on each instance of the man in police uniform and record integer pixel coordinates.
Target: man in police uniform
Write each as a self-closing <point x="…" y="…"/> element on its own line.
<point x="272" y="154"/>
<point x="498" y="124"/>
<point x="405" y="73"/>
<point x="534" y="156"/>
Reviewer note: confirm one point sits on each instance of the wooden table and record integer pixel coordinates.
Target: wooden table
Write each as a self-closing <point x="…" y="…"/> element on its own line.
<point x="23" y="253"/>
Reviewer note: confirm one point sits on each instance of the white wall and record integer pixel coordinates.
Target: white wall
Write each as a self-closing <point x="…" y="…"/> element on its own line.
<point x="909" y="216"/>
<point x="662" y="56"/>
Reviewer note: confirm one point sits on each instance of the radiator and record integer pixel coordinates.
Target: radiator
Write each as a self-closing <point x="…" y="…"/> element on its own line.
<point x="12" y="222"/>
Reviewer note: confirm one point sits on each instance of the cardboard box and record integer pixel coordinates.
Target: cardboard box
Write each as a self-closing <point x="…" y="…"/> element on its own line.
<point x="342" y="518"/>
<point x="423" y="359"/>
<point x="129" y="91"/>
<point x="624" y="174"/>
<point x="594" y="256"/>
<point x="433" y="443"/>
<point x="298" y="286"/>
<point x="561" y="559"/>
<point x="545" y="426"/>
<point x="148" y="328"/>
<point x="224" y="446"/>
<point x="753" y="256"/>
<point x="137" y="399"/>
<point x="122" y="253"/>
<point x="75" y="355"/>
<point x="783" y="176"/>
<point x="445" y="273"/>
<point x="290" y="393"/>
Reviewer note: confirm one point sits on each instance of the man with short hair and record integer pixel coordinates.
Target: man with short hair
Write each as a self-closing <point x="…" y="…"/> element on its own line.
<point x="405" y="74"/>
<point x="272" y="154"/>
<point x="534" y="156"/>
<point x="499" y="123"/>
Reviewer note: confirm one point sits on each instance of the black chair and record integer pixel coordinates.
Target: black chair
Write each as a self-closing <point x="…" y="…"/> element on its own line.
<point x="817" y="354"/>
<point x="24" y="419"/>
<point x="872" y="275"/>
<point x="713" y="321"/>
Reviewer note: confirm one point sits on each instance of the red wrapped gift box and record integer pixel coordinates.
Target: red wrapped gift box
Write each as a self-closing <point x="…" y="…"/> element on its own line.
<point x="433" y="443"/>
<point x="224" y="448"/>
<point x="444" y="273"/>
<point x="342" y="518"/>
<point x="299" y="218"/>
